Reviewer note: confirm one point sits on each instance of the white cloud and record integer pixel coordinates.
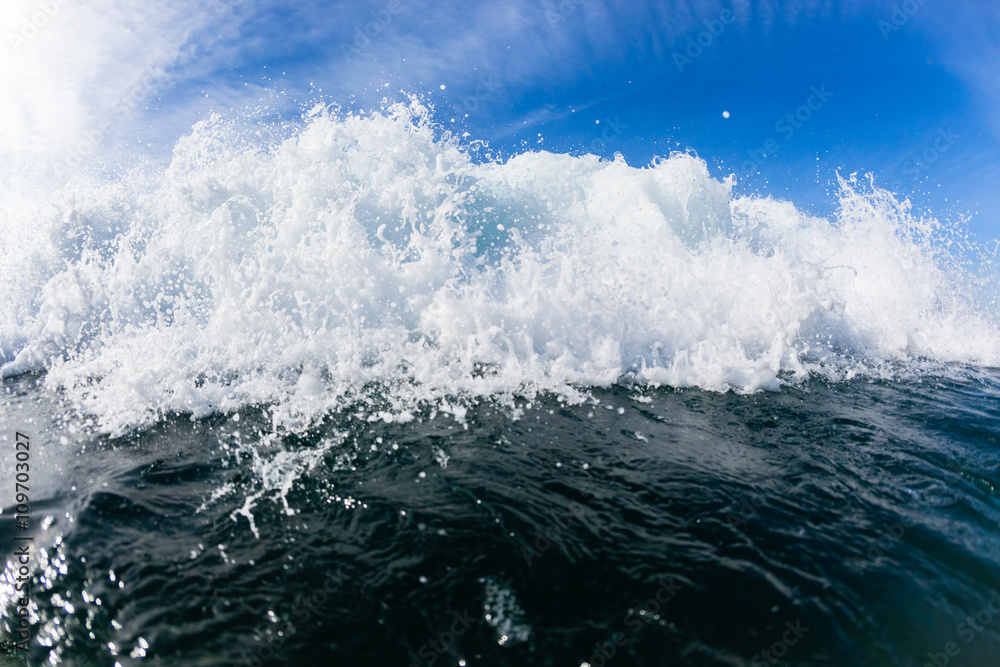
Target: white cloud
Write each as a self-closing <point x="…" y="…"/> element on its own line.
<point x="74" y="72"/>
<point x="80" y="69"/>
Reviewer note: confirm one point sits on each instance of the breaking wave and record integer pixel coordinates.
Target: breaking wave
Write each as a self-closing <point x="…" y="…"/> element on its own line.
<point x="375" y="258"/>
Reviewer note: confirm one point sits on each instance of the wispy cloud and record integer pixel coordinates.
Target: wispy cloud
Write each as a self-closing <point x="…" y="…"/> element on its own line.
<point x="67" y="67"/>
<point x="71" y="75"/>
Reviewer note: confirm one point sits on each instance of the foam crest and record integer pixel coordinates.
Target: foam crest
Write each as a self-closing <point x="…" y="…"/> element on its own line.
<point x="371" y="251"/>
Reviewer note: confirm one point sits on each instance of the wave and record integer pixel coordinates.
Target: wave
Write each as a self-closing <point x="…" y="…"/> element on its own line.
<point x="375" y="250"/>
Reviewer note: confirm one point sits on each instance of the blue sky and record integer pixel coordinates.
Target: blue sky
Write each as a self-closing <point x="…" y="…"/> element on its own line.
<point x="909" y="91"/>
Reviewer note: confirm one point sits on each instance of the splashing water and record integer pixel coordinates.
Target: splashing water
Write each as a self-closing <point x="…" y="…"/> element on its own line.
<point x="369" y="258"/>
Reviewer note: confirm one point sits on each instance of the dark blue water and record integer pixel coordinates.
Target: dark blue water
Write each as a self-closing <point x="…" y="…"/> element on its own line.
<point x="847" y="524"/>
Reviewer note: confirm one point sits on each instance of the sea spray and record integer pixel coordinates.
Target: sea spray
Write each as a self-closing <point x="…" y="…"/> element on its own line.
<point x="373" y="250"/>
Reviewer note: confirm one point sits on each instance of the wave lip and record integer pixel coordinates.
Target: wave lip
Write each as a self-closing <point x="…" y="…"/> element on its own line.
<point x="370" y="249"/>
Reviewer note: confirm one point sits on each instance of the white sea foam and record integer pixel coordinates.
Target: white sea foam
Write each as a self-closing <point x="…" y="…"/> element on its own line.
<point x="370" y="250"/>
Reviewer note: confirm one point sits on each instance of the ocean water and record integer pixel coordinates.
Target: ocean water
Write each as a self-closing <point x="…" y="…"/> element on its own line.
<point x="355" y="390"/>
